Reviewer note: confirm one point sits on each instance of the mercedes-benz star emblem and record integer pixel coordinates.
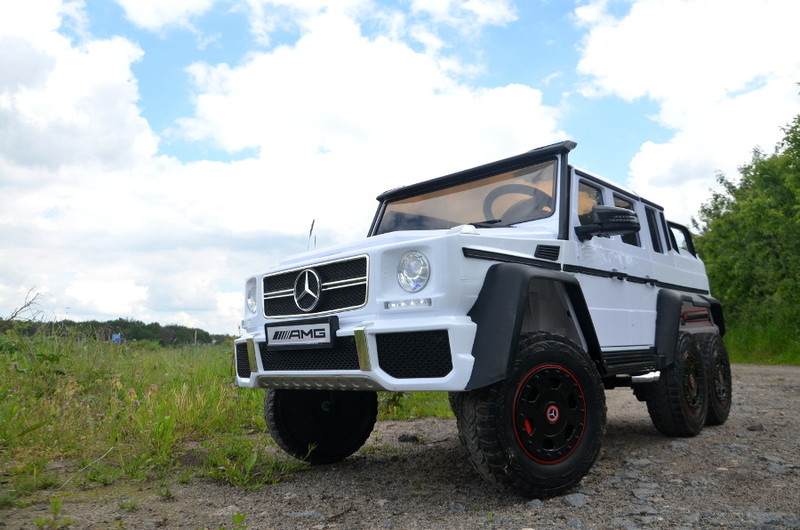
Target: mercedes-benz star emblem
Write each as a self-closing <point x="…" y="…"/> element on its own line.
<point x="307" y="290"/>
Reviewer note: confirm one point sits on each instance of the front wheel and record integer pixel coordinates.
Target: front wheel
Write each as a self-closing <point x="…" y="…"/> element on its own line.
<point x="539" y="431"/>
<point x="320" y="426"/>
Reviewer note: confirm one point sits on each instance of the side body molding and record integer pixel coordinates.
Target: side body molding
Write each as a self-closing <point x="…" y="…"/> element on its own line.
<point x="499" y="312"/>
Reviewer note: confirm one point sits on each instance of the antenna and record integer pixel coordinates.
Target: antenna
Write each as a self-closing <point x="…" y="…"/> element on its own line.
<point x="310" y="232"/>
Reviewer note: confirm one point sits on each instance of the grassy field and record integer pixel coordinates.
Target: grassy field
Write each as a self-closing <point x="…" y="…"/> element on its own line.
<point x="81" y="412"/>
<point x="78" y="412"/>
<point x="774" y="343"/>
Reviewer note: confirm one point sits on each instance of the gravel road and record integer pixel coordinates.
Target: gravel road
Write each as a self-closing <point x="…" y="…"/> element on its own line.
<point x="415" y="474"/>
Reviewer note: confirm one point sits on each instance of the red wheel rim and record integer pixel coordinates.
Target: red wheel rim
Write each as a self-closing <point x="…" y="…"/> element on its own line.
<point x="549" y="414"/>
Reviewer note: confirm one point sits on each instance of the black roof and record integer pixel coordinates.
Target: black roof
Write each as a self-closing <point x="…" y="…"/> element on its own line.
<point x="479" y="172"/>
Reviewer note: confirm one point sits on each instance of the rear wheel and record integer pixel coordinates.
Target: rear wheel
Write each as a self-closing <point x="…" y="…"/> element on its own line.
<point x="718" y="374"/>
<point x="678" y="401"/>
<point x="539" y="431"/>
<point x="320" y="426"/>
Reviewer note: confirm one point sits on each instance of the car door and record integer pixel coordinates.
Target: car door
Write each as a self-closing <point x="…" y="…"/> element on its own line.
<point x="615" y="272"/>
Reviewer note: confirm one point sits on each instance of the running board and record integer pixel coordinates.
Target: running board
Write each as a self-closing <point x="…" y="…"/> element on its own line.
<point x="630" y="380"/>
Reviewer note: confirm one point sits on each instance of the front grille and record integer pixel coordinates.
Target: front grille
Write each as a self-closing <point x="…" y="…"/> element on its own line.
<point x="343" y="287"/>
<point x="242" y="360"/>
<point x="415" y="354"/>
<point x="343" y="356"/>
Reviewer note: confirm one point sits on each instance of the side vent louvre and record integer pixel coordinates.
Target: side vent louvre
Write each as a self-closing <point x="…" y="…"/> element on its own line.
<point x="549" y="252"/>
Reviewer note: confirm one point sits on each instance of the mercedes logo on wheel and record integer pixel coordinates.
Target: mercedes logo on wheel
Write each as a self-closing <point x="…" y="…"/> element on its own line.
<point x="307" y="290"/>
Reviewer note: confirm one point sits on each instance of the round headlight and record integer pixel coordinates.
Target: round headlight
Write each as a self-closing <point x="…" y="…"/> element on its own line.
<point x="251" y="295"/>
<point x="413" y="271"/>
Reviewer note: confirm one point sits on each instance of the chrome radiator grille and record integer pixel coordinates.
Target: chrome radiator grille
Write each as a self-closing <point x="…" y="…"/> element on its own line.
<point x="317" y="289"/>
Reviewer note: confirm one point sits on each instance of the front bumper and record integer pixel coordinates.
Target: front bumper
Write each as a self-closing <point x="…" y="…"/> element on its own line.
<point x="411" y="354"/>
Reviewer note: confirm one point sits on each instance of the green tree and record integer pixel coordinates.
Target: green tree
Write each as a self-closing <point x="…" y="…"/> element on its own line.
<point x="750" y="241"/>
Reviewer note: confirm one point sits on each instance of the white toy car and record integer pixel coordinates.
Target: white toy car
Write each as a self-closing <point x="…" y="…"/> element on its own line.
<point x="525" y="288"/>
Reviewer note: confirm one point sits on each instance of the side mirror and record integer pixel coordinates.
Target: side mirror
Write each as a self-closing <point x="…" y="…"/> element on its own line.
<point x="608" y="221"/>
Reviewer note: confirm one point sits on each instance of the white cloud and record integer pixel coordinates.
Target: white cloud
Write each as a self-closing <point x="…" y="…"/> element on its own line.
<point x="723" y="74"/>
<point x="466" y="14"/>
<point x="157" y="14"/>
<point x="338" y="108"/>
<point x="62" y="103"/>
<point x="92" y="215"/>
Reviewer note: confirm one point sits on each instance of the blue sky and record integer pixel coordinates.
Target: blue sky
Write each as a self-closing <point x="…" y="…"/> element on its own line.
<point x="151" y="152"/>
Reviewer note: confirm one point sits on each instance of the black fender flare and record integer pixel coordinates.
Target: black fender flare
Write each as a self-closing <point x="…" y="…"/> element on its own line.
<point x="498" y="313"/>
<point x="668" y="320"/>
<point x="716" y="313"/>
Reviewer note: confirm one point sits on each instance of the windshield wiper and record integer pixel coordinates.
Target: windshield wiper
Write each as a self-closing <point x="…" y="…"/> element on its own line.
<point x="489" y="223"/>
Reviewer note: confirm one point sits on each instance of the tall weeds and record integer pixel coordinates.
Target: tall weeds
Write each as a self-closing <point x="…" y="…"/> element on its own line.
<point x="107" y="411"/>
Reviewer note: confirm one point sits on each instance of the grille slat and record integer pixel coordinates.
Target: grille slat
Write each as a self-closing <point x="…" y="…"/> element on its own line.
<point x="344" y="287"/>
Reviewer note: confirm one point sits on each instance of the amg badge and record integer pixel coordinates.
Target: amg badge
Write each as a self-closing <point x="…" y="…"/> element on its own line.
<point x="316" y="333"/>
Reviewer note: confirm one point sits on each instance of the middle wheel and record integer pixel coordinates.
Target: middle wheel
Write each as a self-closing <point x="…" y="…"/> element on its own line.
<point x="539" y="431"/>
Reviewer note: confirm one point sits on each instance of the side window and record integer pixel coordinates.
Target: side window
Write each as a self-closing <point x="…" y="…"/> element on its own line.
<point x="588" y="197"/>
<point x="622" y="202"/>
<point x="668" y="237"/>
<point x="655" y="235"/>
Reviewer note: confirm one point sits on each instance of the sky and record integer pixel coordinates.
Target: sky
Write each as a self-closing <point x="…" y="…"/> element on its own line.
<point x="155" y="154"/>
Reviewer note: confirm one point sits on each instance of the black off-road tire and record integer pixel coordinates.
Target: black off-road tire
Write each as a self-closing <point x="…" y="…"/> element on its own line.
<point x="320" y="426"/>
<point x="718" y="375"/>
<point x="539" y="431"/>
<point x="678" y="401"/>
<point x="455" y="399"/>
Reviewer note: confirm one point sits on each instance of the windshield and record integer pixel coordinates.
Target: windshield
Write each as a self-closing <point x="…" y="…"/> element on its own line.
<point x="500" y="200"/>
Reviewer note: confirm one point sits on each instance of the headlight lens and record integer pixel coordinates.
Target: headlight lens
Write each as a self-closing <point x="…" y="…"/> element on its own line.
<point x="413" y="271"/>
<point x="251" y="295"/>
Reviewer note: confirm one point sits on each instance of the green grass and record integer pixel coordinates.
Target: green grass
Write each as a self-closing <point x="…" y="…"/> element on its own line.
<point x="772" y="343"/>
<point x="107" y="412"/>
<point x="81" y="413"/>
<point x="410" y="405"/>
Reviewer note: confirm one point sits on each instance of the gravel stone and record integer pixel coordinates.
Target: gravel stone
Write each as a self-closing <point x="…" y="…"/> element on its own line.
<point x="535" y="504"/>
<point x="575" y="500"/>
<point x="727" y="476"/>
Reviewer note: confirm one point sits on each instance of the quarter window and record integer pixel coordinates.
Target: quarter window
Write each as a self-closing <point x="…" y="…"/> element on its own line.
<point x="652" y="224"/>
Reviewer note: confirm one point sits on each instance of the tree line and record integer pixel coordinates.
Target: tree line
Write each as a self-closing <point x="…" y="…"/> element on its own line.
<point x="128" y="330"/>
<point x="749" y="237"/>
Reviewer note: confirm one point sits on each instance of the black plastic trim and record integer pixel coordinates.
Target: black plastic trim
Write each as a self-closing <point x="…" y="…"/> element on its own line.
<point x="675" y="287"/>
<point x="498" y="313"/>
<point x="716" y="313"/>
<point x="668" y="321"/>
<point x="576" y="269"/>
<point x="500" y="166"/>
<point x="629" y="361"/>
<point x="579" y="269"/>
<point x="509" y="258"/>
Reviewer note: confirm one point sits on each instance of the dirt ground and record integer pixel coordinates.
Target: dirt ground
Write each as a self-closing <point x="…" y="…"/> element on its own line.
<point x="415" y="474"/>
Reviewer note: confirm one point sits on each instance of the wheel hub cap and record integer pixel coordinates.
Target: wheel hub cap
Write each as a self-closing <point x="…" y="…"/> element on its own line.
<point x="549" y="414"/>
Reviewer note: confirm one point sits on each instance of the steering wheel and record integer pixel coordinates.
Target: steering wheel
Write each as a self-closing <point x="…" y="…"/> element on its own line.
<point x="520" y="209"/>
